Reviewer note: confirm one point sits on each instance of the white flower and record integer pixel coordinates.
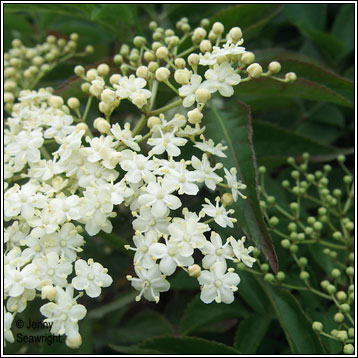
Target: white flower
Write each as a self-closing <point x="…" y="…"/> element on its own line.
<point x="219" y="213"/>
<point x="19" y="303"/>
<point x="142" y="256"/>
<point x="242" y="253"/>
<point x="188" y="233"/>
<point x="205" y="172"/>
<point x="91" y="277"/>
<point x="53" y="269"/>
<point x="169" y="255"/>
<point x="25" y="146"/>
<point x="125" y="136"/>
<point x="8" y="336"/>
<point x="95" y="173"/>
<point x="229" y="48"/>
<point x="221" y="78"/>
<point x="102" y="148"/>
<point x="132" y="87"/>
<point x="138" y="167"/>
<point x="215" y="251"/>
<point x="16" y="280"/>
<point x="68" y="207"/>
<point x="168" y="142"/>
<point x="209" y="147"/>
<point x="60" y="126"/>
<point x="64" y="314"/>
<point x="69" y="144"/>
<point x="218" y="285"/>
<point x="97" y="86"/>
<point x="183" y="179"/>
<point x="234" y="184"/>
<point x="146" y="222"/>
<point x="159" y="198"/>
<point x="150" y="283"/>
<point x="188" y="91"/>
<point x="34" y="97"/>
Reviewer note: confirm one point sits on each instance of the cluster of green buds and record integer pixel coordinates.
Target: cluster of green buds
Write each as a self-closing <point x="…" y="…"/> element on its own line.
<point x="25" y="66"/>
<point x="328" y="227"/>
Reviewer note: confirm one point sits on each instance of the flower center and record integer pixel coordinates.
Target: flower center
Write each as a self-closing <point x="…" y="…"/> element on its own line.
<point x="217" y="283"/>
<point x="160" y="194"/>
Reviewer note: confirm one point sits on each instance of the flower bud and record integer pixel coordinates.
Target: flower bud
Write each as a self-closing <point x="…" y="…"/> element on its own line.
<point x="139" y="41"/>
<point x="139" y="100"/>
<point x="317" y="326"/>
<point x="180" y="63"/>
<point x="285" y="243"/>
<point x="335" y="273"/>
<point x="342" y="335"/>
<point x="91" y="74"/>
<point x="185" y="28"/>
<point x="85" y="87"/>
<point x="38" y="61"/>
<point x="202" y="95"/>
<point x="227" y="199"/>
<point x="331" y="289"/>
<point x="235" y="33"/>
<point x="274" y="67"/>
<point x="247" y="58"/>
<point x="142" y="72"/>
<point x="194" y="270"/>
<point x="81" y="126"/>
<point x="204" y="22"/>
<point x="182" y="76"/>
<point x="9" y="97"/>
<point x="79" y="71"/>
<point x="193" y="59"/>
<point x="274" y="221"/>
<point x="280" y="276"/>
<point x="218" y="28"/>
<point x="48" y="292"/>
<point x="162" y="74"/>
<point x="55" y="101"/>
<point x="156" y="45"/>
<point x="205" y="46"/>
<point x="199" y="34"/>
<point x="348" y="349"/>
<point x="152" y="25"/>
<point x="73" y="103"/>
<point x="115" y="78"/>
<point x="338" y="317"/>
<point x="291" y="77"/>
<point x="350" y="271"/>
<point x="74" y="342"/>
<point x="104" y="107"/>
<point x="101" y="125"/>
<point x="195" y="116"/>
<point x="153" y="121"/>
<point x="108" y="96"/>
<point x="124" y="51"/>
<point x="103" y="69"/>
<point x="97" y="87"/>
<point x="341" y="296"/>
<point x="89" y="49"/>
<point x="304" y="275"/>
<point x="149" y="56"/>
<point x="264" y="267"/>
<point x="254" y="70"/>
<point x="152" y="66"/>
<point x="269" y="277"/>
<point x="74" y="36"/>
<point x="162" y="53"/>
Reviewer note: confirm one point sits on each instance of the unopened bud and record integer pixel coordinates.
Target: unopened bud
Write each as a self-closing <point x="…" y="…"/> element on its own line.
<point x="162" y="74"/>
<point x="139" y="100"/>
<point x="182" y="76"/>
<point x="317" y="326"/>
<point x="48" y="292"/>
<point x="81" y="126"/>
<point x="247" y="58"/>
<point x="153" y="121"/>
<point x="91" y="74"/>
<point x="194" y="270"/>
<point x="199" y="34"/>
<point x="108" y="96"/>
<point x="227" y="199"/>
<point x="205" y="46"/>
<point x="142" y="72"/>
<point x="195" y="116"/>
<point x="202" y="95"/>
<point x="254" y="70"/>
<point x="162" y="52"/>
<point x="74" y="342"/>
<point x="235" y="33"/>
<point x="274" y="67"/>
<point x="101" y="125"/>
<point x="103" y="69"/>
<point x="180" y="63"/>
<point x="152" y="66"/>
<point x="291" y="77"/>
<point x="55" y="101"/>
<point x="193" y="59"/>
<point x="218" y="28"/>
<point x="73" y="103"/>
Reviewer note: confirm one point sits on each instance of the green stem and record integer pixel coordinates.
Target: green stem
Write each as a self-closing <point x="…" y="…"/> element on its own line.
<point x="154" y="91"/>
<point x="171" y="87"/>
<point x="139" y="126"/>
<point x="166" y="108"/>
<point x="190" y="49"/>
<point x="45" y="153"/>
<point x="347" y="205"/>
<point x="88" y="105"/>
<point x="324" y="243"/>
<point x="144" y="137"/>
<point x="329" y="336"/>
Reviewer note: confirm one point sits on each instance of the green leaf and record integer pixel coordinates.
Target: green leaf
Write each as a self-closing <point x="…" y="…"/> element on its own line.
<point x="114" y="13"/>
<point x="301" y="88"/>
<point x="115" y="305"/>
<point x="198" y="314"/>
<point x="144" y="325"/>
<point x="274" y="144"/>
<point x="249" y="17"/>
<point x="307" y="15"/>
<point x="250" y="333"/>
<point x="343" y="27"/>
<point x="236" y="133"/>
<point x="17" y="22"/>
<point x="296" y="325"/>
<point x="253" y="294"/>
<point x="182" y="281"/>
<point x="187" y="345"/>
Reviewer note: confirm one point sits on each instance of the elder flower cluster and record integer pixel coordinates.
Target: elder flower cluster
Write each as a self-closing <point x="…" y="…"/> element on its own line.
<point x="66" y="174"/>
